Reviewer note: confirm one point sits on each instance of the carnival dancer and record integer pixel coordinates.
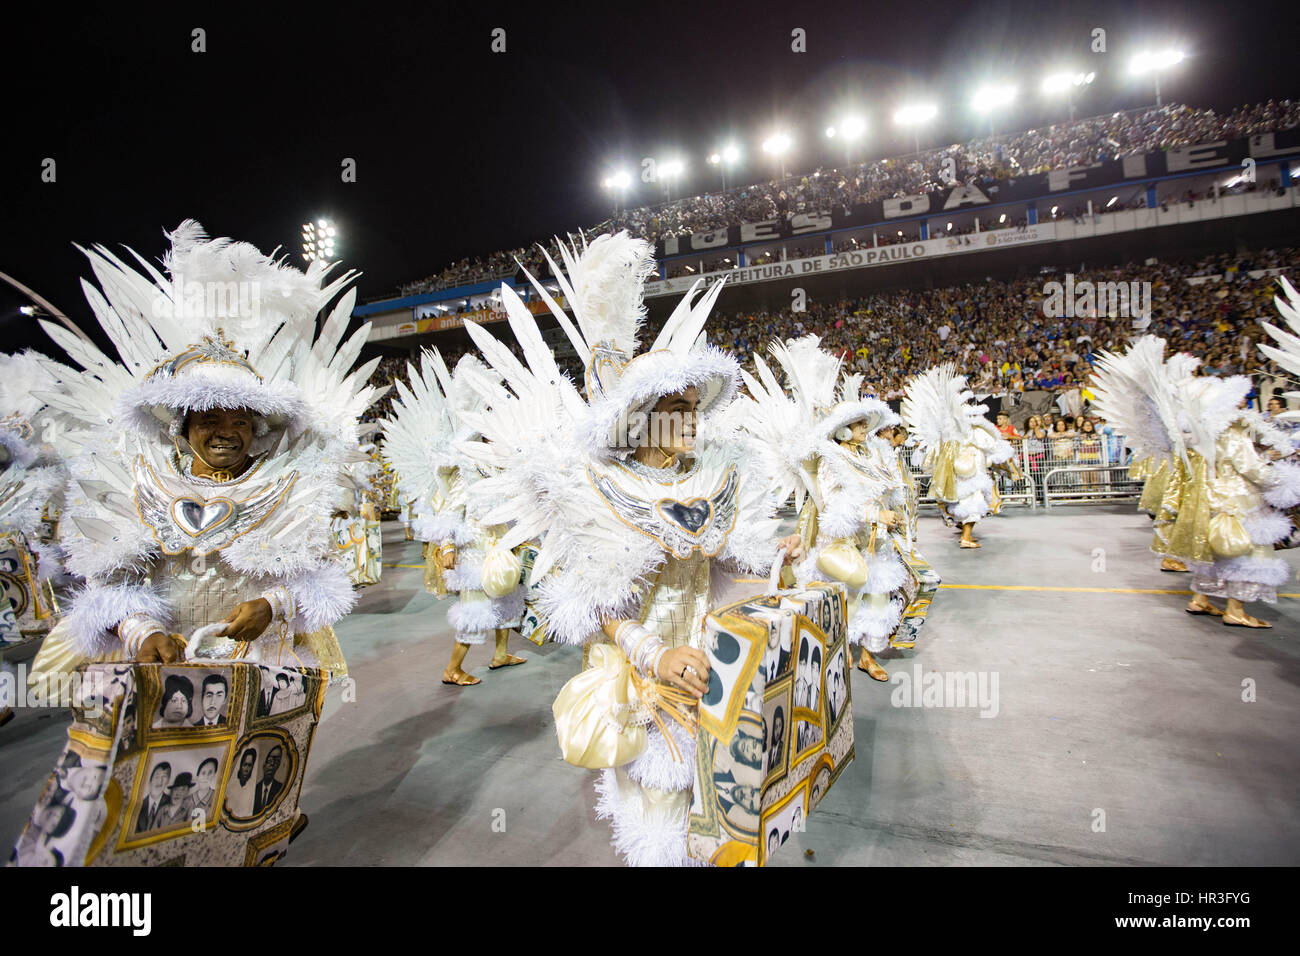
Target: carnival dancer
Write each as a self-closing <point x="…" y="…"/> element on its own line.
<point x="959" y="446"/>
<point x="32" y="475"/>
<point x="461" y="553"/>
<point x="820" y="442"/>
<point x="634" y="518"/>
<point x="211" y="455"/>
<point x="1218" y="512"/>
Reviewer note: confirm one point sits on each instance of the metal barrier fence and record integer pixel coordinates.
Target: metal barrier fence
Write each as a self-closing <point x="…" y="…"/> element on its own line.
<point x="1061" y="470"/>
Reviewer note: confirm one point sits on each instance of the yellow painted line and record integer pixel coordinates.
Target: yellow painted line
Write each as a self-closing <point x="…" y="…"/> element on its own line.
<point x="1029" y="587"/>
<point x="403" y="565"/>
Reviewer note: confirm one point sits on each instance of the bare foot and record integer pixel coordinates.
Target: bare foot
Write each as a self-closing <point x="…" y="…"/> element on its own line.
<point x="1172" y="564"/>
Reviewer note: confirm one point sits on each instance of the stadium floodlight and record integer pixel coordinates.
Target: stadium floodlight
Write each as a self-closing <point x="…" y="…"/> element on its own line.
<point x="724" y="158"/>
<point x="992" y="97"/>
<point x="778" y="144"/>
<point x="849" y="129"/>
<point x="1113" y="200"/>
<point x="1067" y="83"/>
<point x="916" y="115"/>
<point x="617" y="183"/>
<point x="989" y="98"/>
<point x="1002" y="218"/>
<point x="318" y="240"/>
<point x="1155" y="63"/>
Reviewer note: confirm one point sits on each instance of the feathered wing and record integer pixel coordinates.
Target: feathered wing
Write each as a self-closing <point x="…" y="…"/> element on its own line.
<point x="536" y="479"/>
<point x="418" y="436"/>
<point x="1137" y="393"/>
<point x="783" y="441"/>
<point x="1287" y="351"/>
<point x="934" y="408"/>
<point x="1206" y="407"/>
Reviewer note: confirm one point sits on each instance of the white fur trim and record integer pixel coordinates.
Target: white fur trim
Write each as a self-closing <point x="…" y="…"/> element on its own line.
<point x="885" y="571"/>
<point x="96" y="610"/>
<point x="656" y="767"/>
<point x="22" y="453"/>
<point x="1266" y="526"/>
<point x="1285" y="492"/>
<point x="322" y="596"/>
<point x="207" y="387"/>
<point x="872" y="626"/>
<point x="1270" y="572"/>
<point x="475" y="620"/>
<point x="639" y="839"/>
<point x="443" y="529"/>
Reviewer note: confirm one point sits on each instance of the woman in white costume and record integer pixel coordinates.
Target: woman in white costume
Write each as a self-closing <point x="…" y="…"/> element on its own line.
<point x="461" y="554"/>
<point x="958" y="445"/>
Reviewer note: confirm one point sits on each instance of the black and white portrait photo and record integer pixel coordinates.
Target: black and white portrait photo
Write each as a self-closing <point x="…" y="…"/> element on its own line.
<point x="836" y="687"/>
<point x="176" y="705"/>
<point x="214" y="693"/>
<point x="262" y="773"/>
<point x="177" y="782"/>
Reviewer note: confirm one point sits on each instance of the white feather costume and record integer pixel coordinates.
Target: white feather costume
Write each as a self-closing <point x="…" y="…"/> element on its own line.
<point x="620" y="540"/>
<point x="958" y="443"/>
<point x="1218" y="511"/>
<point x="846" y="486"/>
<point x="429" y="420"/>
<point x="32" y="475"/>
<point x="160" y="547"/>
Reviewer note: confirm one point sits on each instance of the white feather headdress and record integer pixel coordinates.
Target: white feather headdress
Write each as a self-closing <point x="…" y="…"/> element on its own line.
<point x="227" y="327"/>
<point x="604" y="286"/>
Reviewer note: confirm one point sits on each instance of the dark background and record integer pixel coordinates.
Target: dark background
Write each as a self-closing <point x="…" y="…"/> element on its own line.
<point x="461" y="151"/>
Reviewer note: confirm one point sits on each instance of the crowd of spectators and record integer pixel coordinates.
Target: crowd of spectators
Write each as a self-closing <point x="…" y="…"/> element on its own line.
<point x="983" y="162"/>
<point x="998" y="335"/>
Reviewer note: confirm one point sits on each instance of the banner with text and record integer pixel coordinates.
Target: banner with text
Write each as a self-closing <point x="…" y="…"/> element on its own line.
<point x="865" y="258"/>
<point x="1241" y="153"/>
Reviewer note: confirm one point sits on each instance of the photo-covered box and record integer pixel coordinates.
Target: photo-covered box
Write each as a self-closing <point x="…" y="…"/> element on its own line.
<point x="197" y="763"/>
<point x="776" y="726"/>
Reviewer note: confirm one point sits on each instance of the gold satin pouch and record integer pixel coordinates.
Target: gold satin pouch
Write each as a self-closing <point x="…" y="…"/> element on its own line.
<point x="966" y="462"/>
<point x="594" y="713"/>
<point x="501" y="571"/>
<point x="1228" y="538"/>
<point x="842" y="561"/>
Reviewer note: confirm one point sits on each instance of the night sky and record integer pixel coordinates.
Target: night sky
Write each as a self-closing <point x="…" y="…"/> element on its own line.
<point x="461" y="151"/>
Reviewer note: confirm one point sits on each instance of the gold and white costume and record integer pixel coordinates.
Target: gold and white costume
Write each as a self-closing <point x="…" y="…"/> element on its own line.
<point x="621" y="543"/>
<point x="161" y="549"/>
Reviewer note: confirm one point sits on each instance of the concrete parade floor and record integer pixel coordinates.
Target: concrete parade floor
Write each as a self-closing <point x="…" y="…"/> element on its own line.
<point x="1120" y="737"/>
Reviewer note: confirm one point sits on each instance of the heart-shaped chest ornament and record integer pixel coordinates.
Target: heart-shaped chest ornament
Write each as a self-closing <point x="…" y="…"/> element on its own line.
<point x="690" y="516"/>
<point x="196" y="516"/>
